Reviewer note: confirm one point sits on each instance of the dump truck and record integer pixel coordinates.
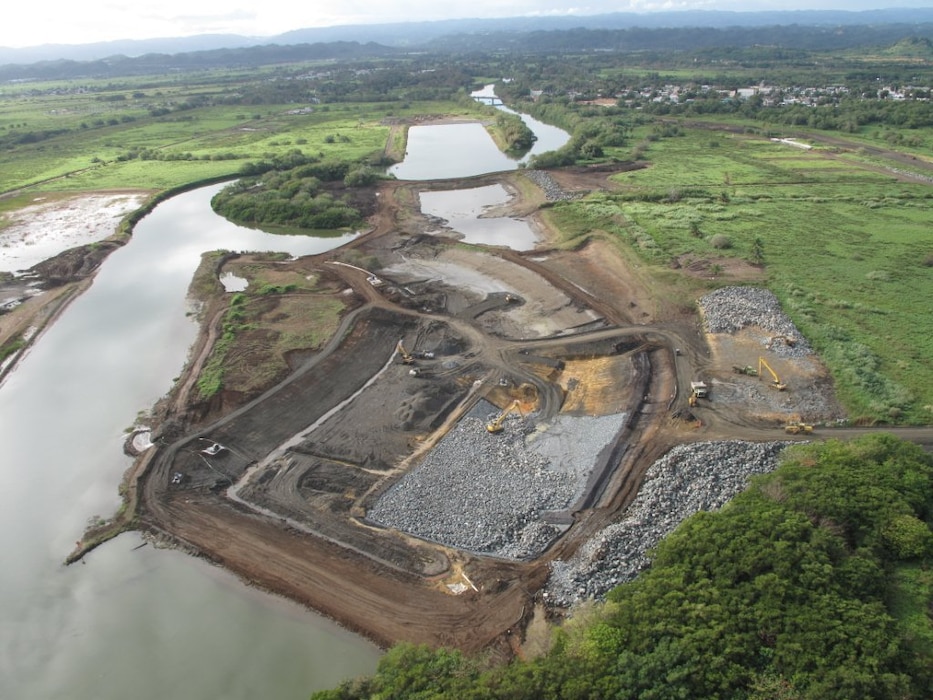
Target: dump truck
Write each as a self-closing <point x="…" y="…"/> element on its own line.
<point x="698" y="390"/>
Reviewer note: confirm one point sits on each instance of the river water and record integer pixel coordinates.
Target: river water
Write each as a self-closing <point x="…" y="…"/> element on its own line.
<point x="443" y="151"/>
<point x="133" y="622"/>
<point x="130" y="620"/>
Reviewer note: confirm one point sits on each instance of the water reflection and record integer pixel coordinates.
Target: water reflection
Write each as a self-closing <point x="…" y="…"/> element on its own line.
<point x="464" y="210"/>
<point x="443" y="151"/>
<point x="141" y="623"/>
<point x="233" y="283"/>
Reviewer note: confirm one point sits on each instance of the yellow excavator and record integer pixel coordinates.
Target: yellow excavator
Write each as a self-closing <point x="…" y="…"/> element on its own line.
<point x="775" y="381"/>
<point x="798" y="428"/>
<point x="495" y="425"/>
<point x="407" y="358"/>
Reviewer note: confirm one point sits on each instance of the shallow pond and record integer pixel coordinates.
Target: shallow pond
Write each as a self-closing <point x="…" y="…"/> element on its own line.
<point x="463" y="212"/>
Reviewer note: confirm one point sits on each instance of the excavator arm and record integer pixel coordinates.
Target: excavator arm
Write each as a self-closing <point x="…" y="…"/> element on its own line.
<point x="775" y="380"/>
<point x="495" y="425"/>
<point x="406" y="356"/>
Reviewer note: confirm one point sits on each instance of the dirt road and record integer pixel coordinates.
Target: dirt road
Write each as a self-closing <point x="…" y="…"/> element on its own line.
<point x="309" y="456"/>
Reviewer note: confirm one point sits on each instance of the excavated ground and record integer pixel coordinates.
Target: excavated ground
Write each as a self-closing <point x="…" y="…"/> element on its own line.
<point x="369" y="488"/>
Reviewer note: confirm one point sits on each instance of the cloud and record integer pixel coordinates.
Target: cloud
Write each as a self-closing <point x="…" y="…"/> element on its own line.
<point x="67" y="21"/>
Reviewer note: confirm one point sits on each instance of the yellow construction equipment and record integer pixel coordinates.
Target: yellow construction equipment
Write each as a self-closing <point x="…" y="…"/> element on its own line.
<point x="789" y="341"/>
<point x="406" y="356"/>
<point x="495" y="425"/>
<point x="775" y="380"/>
<point x="798" y="428"/>
<point x="698" y="390"/>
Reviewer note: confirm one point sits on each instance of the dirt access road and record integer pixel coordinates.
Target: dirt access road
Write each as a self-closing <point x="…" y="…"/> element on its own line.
<point x="309" y="456"/>
<point x="285" y="504"/>
<point x="562" y="333"/>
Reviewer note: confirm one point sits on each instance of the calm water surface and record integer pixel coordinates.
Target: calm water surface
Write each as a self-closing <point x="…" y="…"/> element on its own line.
<point x="139" y="622"/>
<point x="463" y="211"/>
<point x="130" y="622"/>
<point x="443" y="151"/>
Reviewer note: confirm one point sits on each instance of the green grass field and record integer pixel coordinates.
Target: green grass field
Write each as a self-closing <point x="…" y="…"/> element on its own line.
<point x="846" y="248"/>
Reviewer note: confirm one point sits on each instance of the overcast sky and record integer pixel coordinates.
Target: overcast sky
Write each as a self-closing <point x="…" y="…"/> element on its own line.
<point x="36" y="22"/>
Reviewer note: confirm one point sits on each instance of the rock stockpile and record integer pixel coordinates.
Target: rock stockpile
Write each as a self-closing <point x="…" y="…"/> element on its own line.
<point x="730" y="309"/>
<point x="688" y="479"/>
<point x="498" y="494"/>
<point x="552" y="191"/>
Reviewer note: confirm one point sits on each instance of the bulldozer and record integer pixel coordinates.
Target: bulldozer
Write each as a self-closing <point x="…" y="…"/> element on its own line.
<point x="798" y="428"/>
<point x="495" y="425"/>
<point x="746" y="370"/>
<point x="789" y="340"/>
<point x="407" y="357"/>
<point x="776" y="383"/>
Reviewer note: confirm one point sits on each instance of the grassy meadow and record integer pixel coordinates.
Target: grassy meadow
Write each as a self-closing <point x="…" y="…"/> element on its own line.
<point x="157" y="134"/>
<point x="846" y="247"/>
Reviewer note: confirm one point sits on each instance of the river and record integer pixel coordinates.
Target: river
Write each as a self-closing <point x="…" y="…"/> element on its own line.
<point x="131" y="620"/>
<point x="442" y="151"/>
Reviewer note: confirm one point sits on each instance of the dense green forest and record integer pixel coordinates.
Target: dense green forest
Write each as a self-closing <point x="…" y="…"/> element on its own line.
<point x="296" y="190"/>
<point x="814" y="583"/>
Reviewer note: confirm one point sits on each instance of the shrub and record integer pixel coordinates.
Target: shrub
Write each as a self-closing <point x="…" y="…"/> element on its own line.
<point x="720" y="241"/>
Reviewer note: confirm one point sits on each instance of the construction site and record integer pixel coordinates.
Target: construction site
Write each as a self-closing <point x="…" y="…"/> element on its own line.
<point x="489" y="435"/>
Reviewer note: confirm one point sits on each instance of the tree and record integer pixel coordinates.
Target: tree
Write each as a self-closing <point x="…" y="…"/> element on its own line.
<point x="758" y="251"/>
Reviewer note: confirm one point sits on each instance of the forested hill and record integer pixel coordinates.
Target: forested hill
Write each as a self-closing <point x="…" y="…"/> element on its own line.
<point x="682" y="31"/>
<point x="798" y="37"/>
<point x="158" y="64"/>
<point x="682" y="39"/>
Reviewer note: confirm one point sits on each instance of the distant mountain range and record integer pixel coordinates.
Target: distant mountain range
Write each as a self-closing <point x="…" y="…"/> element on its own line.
<point x="412" y="35"/>
<point x="618" y="31"/>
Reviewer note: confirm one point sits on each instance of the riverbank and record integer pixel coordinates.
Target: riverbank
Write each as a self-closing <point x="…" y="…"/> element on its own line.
<point x="49" y="252"/>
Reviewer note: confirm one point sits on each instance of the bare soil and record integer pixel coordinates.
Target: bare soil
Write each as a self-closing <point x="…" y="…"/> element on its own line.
<point x="311" y="446"/>
<point x="579" y="331"/>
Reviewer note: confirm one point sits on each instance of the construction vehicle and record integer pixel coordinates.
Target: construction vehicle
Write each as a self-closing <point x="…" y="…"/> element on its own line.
<point x="747" y="370"/>
<point x="798" y="428"/>
<point x="407" y="358"/>
<point x="789" y="341"/>
<point x="495" y="425"/>
<point x="698" y="390"/>
<point x="775" y="380"/>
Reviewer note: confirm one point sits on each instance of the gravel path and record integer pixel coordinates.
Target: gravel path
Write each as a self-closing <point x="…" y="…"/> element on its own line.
<point x="689" y="478"/>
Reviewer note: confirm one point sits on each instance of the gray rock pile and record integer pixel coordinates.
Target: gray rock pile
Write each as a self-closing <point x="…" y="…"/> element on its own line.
<point x="730" y="309"/>
<point x="494" y="493"/>
<point x="690" y="478"/>
<point x="552" y="191"/>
